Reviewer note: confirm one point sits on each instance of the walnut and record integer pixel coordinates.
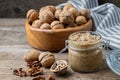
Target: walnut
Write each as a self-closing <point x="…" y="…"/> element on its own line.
<point x="50" y="77"/>
<point x="51" y="8"/>
<point x="36" y="64"/>
<point x="31" y="55"/>
<point x="57" y="25"/>
<point x="46" y="59"/>
<point x="66" y="17"/>
<point x="80" y="20"/>
<point x="40" y="77"/>
<point x="59" y="67"/>
<point x="71" y="25"/>
<point x="45" y="26"/>
<point x="37" y="23"/>
<point x="32" y="15"/>
<point x="34" y="71"/>
<point x="85" y="12"/>
<point x="67" y="6"/>
<point x="46" y="16"/>
<point x="57" y="13"/>
<point x="20" y="72"/>
<point x="74" y="11"/>
<point x="41" y="9"/>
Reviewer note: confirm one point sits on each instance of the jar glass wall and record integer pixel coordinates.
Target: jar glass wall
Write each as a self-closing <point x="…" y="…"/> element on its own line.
<point x="85" y="52"/>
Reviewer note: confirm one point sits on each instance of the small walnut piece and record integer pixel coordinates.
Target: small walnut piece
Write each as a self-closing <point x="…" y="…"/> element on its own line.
<point x="32" y="15"/>
<point x="37" y="23"/>
<point x="66" y="17"/>
<point x="47" y="59"/>
<point x="80" y="20"/>
<point x="34" y="71"/>
<point x="85" y="12"/>
<point x="50" y="77"/>
<point x="57" y="13"/>
<point x="59" y="67"/>
<point x="67" y="6"/>
<point x="57" y="25"/>
<point x="31" y="55"/>
<point x="34" y="64"/>
<point x="20" y="72"/>
<point x="46" y="16"/>
<point x="74" y="11"/>
<point x="45" y="26"/>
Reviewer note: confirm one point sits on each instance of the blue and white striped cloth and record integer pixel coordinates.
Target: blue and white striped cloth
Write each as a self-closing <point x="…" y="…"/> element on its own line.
<point x="106" y="19"/>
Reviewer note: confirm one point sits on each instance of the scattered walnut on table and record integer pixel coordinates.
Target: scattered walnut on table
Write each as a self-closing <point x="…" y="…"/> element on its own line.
<point x="34" y="71"/>
<point x="31" y="55"/>
<point x="46" y="59"/>
<point x="34" y="64"/>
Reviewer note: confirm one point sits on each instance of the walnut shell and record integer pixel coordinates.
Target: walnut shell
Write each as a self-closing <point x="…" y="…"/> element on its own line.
<point x="32" y="15"/>
<point x="37" y="23"/>
<point x="66" y="17"/>
<point x="57" y="13"/>
<point x="81" y="20"/>
<point x="67" y="6"/>
<point x="48" y="8"/>
<point x="45" y="26"/>
<point x="46" y="59"/>
<point x="71" y="25"/>
<point x="57" y="25"/>
<point x="74" y="11"/>
<point x="51" y="8"/>
<point x="59" y="67"/>
<point x="31" y="55"/>
<point x="46" y="16"/>
<point x="85" y="12"/>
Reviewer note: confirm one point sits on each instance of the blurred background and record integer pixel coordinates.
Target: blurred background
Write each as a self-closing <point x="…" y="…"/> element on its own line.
<point x="18" y="8"/>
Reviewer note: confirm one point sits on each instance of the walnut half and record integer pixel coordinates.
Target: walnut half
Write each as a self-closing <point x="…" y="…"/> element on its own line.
<point x="59" y="67"/>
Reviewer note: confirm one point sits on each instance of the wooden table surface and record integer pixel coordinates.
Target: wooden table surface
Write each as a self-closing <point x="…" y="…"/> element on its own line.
<point x="13" y="45"/>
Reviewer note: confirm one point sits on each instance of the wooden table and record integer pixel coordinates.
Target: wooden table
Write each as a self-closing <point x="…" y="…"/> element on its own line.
<point x="13" y="45"/>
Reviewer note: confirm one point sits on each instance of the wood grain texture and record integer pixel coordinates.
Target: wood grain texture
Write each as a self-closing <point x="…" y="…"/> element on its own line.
<point x="14" y="61"/>
<point x="52" y="40"/>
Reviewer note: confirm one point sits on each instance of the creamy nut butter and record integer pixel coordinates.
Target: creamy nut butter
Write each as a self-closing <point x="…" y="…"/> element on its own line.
<point x="85" y="53"/>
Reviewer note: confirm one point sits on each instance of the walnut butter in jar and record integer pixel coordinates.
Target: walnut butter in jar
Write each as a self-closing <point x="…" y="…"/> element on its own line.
<point x="85" y="52"/>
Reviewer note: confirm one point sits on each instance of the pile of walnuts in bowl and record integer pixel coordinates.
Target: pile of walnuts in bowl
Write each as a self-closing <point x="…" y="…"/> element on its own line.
<point x="50" y="17"/>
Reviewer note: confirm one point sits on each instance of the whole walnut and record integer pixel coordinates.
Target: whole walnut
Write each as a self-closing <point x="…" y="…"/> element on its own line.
<point x="67" y="6"/>
<point x="51" y="8"/>
<point x="46" y="59"/>
<point x="66" y="17"/>
<point x="48" y="8"/>
<point x="37" y="23"/>
<point x="57" y="13"/>
<point x="81" y="20"/>
<point x="85" y="12"/>
<point x="45" y="26"/>
<point x="31" y="55"/>
<point x="32" y="15"/>
<point x="46" y="16"/>
<point x="71" y="25"/>
<point x="74" y="11"/>
<point x="57" y="25"/>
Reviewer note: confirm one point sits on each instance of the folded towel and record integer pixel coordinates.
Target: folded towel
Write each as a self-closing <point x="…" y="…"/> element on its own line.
<point x="106" y="19"/>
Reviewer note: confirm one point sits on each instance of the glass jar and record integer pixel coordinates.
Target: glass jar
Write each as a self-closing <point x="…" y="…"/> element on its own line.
<point x="85" y="52"/>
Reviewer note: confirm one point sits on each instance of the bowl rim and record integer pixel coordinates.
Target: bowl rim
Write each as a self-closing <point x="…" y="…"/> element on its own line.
<point x="59" y="30"/>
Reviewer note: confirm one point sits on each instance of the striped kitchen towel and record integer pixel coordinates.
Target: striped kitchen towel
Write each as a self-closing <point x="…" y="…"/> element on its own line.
<point x="106" y="19"/>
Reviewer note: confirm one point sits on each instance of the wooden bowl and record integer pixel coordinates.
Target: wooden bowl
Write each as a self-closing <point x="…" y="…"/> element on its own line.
<point x="52" y="40"/>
